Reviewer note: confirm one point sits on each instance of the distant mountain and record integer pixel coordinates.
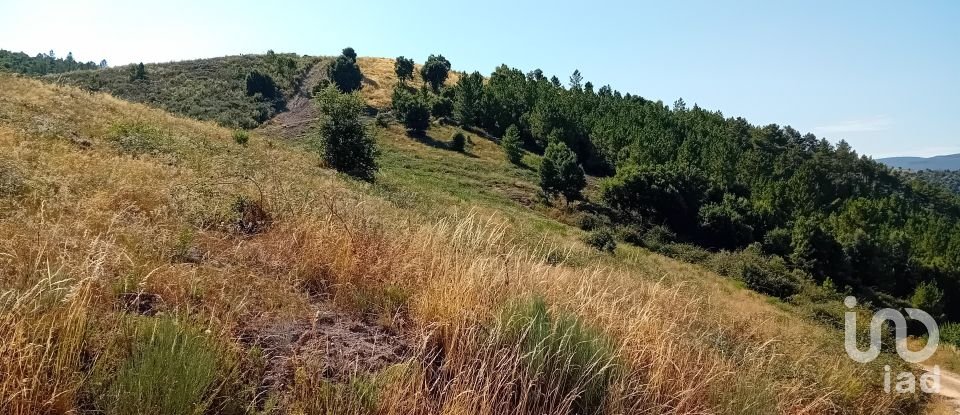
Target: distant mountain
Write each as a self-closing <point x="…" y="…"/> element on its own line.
<point x="948" y="162"/>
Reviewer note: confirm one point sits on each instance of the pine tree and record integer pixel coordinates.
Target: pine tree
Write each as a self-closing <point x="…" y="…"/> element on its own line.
<point x="511" y="145"/>
<point x="466" y="104"/>
<point x="559" y="172"/>
<point x="345" y="73"/>
<point x="403" y="68"/>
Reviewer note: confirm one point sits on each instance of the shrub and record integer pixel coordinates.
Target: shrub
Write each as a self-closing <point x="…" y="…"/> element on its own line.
<point x="345" y="73"/>
<point x="252" y="217"/>
<point x="348" y="145"/>
<point x="559" y="172"/>
<point x="777" y="242"/>
<point x="435" y="71"/>
<point x="412" y="109"/>
<point x="403" y="68"/>
<point x="138" y="72"/>
<point x="770" y="277"/>
<point x="442" y="106"/>
<point x="511" y="145"/>
<point x="263" y="84"/>
<point x="950" y="333"/>
<point x="173" y="370"/>
<point x="762" y="274"/>
<point x="601" y="239"/>
<point x="563" y="358"/>
<point x="928" y="297"/>
<point x="383" y="119"/>
<point x="241" y="137"/>
<point x="458" y="142"/>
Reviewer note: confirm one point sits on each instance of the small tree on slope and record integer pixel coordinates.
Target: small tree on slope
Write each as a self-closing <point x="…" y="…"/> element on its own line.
<point x="348" y="145"/>
<point x="559" y="172"/>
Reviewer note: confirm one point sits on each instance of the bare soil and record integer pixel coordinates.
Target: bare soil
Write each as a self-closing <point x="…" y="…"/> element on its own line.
<point x="296" y="120"/>
<point x="337" y="345"/>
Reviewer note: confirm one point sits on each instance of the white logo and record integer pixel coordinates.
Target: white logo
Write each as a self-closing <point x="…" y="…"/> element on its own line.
<point x="905" y="381"/>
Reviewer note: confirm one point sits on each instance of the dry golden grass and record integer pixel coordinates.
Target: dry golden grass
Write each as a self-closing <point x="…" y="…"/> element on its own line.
<point x="98" y="218"/>
<point x="379" y="78"/>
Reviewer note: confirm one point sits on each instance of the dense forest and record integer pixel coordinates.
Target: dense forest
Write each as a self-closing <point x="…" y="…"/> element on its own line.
<point x="949" y="179"/>
<point x="43" y="63"/>
<point x="814" y="213"/>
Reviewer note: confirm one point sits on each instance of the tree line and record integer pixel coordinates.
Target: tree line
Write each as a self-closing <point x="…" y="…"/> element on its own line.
<point x="43" y="63"/>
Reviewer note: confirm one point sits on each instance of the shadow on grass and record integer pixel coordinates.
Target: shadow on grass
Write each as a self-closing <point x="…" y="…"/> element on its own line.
<point x="426" y="139"/>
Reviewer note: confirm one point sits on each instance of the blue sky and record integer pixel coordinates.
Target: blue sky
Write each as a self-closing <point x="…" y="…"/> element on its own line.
<point x="883" y="75"/>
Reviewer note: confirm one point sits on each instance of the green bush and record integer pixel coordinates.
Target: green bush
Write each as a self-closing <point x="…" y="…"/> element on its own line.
<point x="950" y="333"/>
<point x="657" y="236"/>
<point x="172" y="370"/>
<point x="442" y="106"/>
<point x="348" y="145"/>
<point x="263" y="85"/>
<point x="601" y="239"/>
<point x="563" y="358"/>
<point x="766" y="275"/>
<point x="411" y="109"/>
<point x="458" y="142"/>
<point x="241" y="137"/>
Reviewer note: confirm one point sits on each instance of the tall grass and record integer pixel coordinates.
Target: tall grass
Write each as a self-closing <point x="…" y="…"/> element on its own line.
<point x="563" y="359"/>
<point x="172" y="370"/>
<point x="43" y="331"/>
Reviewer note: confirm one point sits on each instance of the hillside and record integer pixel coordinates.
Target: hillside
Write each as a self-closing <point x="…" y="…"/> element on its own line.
<point x="948" y="179"/>
<point x="206" y="89"/>
<point x="947" y="162"/>
<point x="152" y="263"/>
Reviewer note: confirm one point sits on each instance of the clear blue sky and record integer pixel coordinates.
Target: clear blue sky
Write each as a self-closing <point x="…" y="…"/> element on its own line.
<point x="884" y="75"/>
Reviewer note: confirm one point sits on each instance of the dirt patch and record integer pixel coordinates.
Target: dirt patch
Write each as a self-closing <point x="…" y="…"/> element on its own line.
<point x="296" y="120"/>
<point x="337" y="344"/>
<point x="141" y="303"/>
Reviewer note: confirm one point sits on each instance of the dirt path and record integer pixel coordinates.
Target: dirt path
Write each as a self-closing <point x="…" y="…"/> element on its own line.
<point x="949" y="388"/>
<point x="295" y="121"/>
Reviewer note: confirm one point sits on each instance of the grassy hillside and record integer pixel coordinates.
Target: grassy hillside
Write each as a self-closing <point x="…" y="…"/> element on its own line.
<point x="206" y="89"/>
<point x="149" y="263"/>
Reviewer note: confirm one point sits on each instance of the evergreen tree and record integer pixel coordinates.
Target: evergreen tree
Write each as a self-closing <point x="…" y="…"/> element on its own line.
<point x="559" y="172"/>
<point x="467" y="101"/>
<point x="403" y="68"/>
<point x="435" y="71"/>
<point x="349" y="53"/>
<point x="345" y="73"/>
<point x="348" y="145"/>
<point x="512" y="146"/>
<point x="137" y="72"/>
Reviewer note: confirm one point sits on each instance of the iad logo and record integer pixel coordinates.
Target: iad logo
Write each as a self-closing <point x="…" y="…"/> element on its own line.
<point x="905" y="381"/>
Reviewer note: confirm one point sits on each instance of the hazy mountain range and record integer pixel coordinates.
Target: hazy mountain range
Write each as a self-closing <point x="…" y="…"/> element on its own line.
<point x="946" y="162"/>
